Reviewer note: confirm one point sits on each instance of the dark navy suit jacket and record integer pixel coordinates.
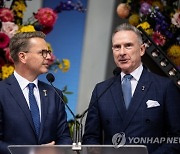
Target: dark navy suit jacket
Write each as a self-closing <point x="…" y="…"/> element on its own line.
<point x="16" y="125"/>
<point x="109" y="116"/>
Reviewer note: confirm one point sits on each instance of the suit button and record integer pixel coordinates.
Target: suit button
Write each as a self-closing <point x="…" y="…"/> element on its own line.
<point x="148" y="120"/>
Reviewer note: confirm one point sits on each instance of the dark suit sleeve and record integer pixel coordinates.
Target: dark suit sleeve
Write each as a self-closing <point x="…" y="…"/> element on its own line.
<point x="93" y="131"/>
<point x="3" y="145"/>
<point x="172" y="120"/>
<point x="63" y="134"/>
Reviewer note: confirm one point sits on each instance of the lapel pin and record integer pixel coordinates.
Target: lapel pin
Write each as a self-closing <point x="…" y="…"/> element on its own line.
<point x="45" y="92"/>
<point x="143" y="88"/>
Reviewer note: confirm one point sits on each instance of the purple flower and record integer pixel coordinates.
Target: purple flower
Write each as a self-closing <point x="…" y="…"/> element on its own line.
<point x="145" y="8"/>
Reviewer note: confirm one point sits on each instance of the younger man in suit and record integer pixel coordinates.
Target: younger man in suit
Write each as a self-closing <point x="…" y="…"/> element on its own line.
<point x="138" y="103"/>
<point x="31" y="113"/>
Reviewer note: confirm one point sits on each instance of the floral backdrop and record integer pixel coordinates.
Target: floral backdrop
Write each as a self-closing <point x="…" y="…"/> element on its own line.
<point x="160" y="19"/>
<point x="11" y="22"/>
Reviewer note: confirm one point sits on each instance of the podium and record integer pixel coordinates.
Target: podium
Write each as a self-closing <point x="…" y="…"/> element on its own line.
<point x="85" y="149"/>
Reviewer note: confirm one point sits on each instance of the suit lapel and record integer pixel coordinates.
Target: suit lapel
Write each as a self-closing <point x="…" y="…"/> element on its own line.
<point x="140" y="92"/>
<point x="44" y="105"/>
<point x="116" y="92"/>
<point x="16" y="92"/>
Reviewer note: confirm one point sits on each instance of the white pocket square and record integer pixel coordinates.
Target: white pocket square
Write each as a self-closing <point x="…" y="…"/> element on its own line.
<point x="151" y="103"/>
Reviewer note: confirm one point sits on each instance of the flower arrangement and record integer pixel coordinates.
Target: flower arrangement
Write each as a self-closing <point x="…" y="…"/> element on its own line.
<point x="160" y="19"/>
<point x="11" y="22"/>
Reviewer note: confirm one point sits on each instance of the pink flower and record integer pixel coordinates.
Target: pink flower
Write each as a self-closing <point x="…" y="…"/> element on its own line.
<point x="9" y="28"/>
<point x="51" y="61"/>
<point x="46" y="17"/>
<point x="8" y="56"/>
<point x="158" y="38"/>
<point x="176" y="19"/>
<point x="6" y="15"/>
<point x="4" y="40"/>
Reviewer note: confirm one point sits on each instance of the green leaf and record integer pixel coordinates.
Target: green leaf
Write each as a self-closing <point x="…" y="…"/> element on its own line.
<point x="68" y="92"/>
<point x="65" y="99"/>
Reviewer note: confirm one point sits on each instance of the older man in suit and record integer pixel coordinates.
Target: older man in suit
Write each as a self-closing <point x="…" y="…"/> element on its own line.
<point x="139" y="104"/>
<point x="31" y="113"/>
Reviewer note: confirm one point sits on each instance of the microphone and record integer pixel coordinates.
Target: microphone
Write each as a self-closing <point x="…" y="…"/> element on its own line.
<point x="116" y="72"/>
<point x="50" y="77"/>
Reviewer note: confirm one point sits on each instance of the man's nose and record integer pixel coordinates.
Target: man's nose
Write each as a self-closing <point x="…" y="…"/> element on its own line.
<point x="122" y="51"/>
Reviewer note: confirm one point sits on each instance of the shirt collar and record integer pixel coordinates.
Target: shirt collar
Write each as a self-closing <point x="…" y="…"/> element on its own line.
<point x="24" y="82"/>
<point x="136" y="73"/>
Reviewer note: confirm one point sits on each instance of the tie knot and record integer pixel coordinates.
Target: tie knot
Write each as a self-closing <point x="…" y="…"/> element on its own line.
<point x="31" y="86"/>
<point x="128" y="76"/>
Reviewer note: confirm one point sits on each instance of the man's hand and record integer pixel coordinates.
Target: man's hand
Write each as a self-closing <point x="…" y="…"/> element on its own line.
<point x="51" y="143"/>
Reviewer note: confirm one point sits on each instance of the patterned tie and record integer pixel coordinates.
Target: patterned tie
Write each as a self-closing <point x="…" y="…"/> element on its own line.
<point x="34" y="108"/>
<point x="126" y="88"/>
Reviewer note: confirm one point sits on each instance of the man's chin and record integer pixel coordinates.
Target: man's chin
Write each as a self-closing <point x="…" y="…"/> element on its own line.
<point x="125" y="69"/>
<point x="44" y="70"/>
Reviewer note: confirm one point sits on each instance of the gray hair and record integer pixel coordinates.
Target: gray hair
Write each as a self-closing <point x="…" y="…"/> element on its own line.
<point x="20" y="42"/>
<point x="128" y="27"/>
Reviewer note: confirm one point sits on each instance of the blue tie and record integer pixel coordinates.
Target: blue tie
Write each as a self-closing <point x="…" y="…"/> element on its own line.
<point x="126" y="88"/>
<point x="34" y="108"/>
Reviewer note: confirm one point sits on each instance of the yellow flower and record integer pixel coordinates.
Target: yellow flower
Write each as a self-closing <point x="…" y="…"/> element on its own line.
<point x="19" y="8"/>
<point x="174" y="51"/>
<point x="6" y="71"/>
<point x="134" y="19"/>
<point x="49" y="46"/>
<point x="20" y="14"/>
<point x="146" y="27"/>
<point x="174" y="54"/>
<point x="149" y="31"/>
<point x="158" y="4"/>
<point x="64" y="65"/>
<point x="28" y="28"/>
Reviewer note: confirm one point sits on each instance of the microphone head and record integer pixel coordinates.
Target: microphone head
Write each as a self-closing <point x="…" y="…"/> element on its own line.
<point x="50" y="77"/>
<point x="116" y="71"/>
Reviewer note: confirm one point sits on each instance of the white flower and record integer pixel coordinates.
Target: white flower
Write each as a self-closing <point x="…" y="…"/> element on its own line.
<point x="176" y="19"/>
<point x="9" y="28"/>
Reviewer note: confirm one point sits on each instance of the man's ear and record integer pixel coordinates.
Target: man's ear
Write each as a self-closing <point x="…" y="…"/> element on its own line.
<point x="142" y="49"/>
<point x="22" y="57"/>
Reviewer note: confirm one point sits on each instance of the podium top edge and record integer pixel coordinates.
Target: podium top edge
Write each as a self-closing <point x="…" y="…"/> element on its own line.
<point x="36" y="146"/>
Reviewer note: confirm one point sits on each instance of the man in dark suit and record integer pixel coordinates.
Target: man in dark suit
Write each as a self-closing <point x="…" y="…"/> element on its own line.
<point x="30" y="116"/>
<point x="138" y="105"/>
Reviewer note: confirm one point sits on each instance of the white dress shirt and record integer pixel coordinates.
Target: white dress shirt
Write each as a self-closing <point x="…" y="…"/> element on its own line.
<point x="136" y="76"/>
<point x="24" y="87"/>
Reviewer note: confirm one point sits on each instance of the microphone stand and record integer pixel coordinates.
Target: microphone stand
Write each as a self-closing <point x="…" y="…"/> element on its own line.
<point x="116" y="72"/>
<point x="77" y="131"/>
<point x="76" y="146"/>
